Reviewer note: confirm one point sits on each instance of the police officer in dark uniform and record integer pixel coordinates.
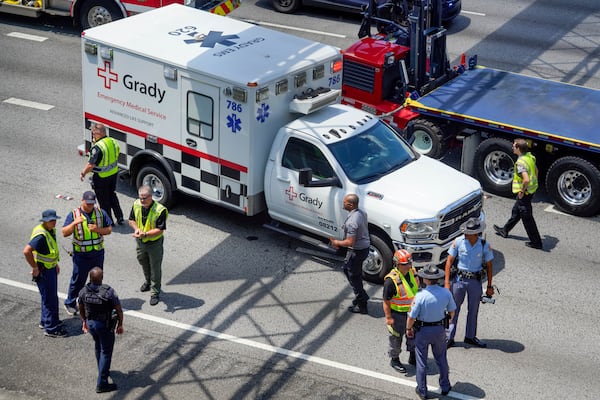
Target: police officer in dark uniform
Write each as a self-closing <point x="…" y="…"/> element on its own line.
<point x="426" y="320"/>
<point x="96" y="305"/>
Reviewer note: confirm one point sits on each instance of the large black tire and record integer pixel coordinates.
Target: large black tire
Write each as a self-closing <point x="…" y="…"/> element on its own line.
<point x="98" y="12"/>
<point x="379" y="262"/>
<point x="574" y="185"/>
<point x="495" y="163"/>
<point x="286" y="6"/>
<point x="153" y="176"/>
<point x="428" y="139"/>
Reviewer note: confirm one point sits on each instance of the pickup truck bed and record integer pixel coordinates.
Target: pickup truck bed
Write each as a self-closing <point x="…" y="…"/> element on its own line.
<point x="559" y="112"/>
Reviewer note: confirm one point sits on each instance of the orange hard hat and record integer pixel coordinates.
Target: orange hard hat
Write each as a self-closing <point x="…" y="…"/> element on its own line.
<point x="402" y="256"/>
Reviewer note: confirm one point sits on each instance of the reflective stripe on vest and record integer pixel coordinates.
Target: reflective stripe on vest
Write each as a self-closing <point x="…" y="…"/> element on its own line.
<point x="527" y="160"/>
<point x="110" y="156"/>
<point x="85" y="240"/>
<point x="405" y="294"/>
<point x="51" y="259"/>
<point x="155" y="210"/>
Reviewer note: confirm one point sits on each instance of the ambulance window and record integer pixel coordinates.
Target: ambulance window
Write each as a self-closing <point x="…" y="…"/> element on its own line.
<point x="200" y="115"/>
<point x="299" y="154"/>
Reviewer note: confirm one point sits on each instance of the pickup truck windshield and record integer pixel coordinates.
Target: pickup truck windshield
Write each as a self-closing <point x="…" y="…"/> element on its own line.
<point x="372" y="154"/>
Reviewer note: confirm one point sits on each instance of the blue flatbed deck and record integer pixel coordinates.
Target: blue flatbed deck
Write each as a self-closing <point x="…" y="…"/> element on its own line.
<point x="523" y="105"/>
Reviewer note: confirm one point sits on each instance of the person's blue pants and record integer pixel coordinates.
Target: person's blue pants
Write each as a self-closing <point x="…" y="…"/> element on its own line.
<point x="47" y="285"/>
<point x="82" y="265"/>
<point x="436" y="337"/>
<point x="104" y="341"/>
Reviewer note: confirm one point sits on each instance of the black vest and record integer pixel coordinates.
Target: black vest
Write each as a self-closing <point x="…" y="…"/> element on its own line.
<point x="98" y="306"/>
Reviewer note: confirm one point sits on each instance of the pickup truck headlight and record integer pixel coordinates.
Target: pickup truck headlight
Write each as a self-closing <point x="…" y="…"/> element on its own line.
<point x="419" y="230"/>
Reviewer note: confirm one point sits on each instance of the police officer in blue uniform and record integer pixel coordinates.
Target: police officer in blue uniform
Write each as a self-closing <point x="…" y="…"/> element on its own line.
<point x="425" y="323"/>
<point x="96" y="304"/>
<point x="473" y="254"/>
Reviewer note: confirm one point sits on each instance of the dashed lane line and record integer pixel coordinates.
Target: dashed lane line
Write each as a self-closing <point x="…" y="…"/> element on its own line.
<point x="27" y="103"/>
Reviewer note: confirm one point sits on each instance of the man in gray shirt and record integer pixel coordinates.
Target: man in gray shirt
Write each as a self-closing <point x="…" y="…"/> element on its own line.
<point x="356" y="239"/>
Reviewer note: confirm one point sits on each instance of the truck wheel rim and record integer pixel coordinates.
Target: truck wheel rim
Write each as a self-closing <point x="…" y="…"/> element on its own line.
<point x="156" y="185"/>
<point x="373" y="264"/>
<point x="422" y="142"/>
<point x="99" y="16"/>
<point x="574" y="187"/>
<point x="498" y="167"/>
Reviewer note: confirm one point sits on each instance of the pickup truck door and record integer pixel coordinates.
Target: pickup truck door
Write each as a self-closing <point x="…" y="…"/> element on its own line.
<point x="315" y="209"/>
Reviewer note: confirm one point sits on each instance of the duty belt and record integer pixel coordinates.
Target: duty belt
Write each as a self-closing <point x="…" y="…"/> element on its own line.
<point x="469" y="275"/>
<point x="436" y="323"/>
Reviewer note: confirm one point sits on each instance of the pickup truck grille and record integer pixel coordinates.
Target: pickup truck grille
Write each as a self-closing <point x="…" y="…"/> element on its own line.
<point x="359" y="76"/>
<point x="454" y="218"/>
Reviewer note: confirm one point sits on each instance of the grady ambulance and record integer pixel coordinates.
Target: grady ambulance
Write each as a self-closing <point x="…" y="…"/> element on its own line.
<point x="246" y="118"/>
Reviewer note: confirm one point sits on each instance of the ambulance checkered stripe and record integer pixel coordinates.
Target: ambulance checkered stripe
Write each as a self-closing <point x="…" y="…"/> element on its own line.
<point x="191" y="172"/>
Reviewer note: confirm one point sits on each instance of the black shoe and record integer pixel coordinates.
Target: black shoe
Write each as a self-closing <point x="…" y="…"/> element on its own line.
<point x="412" y="359"/>
<point x="154" y="300"/>
<point x="109" y="387"/>
<point x="120" y="221"/>
<point x="397" y="365"/>
<point x="537" y="246"/>
<point x="422" y="397"/>
<point x="450" y="343"/>
<point x="445" y="392"/>
<point x="58" y="333"/>
<point x="475" y="342"/>
<point x="145" y="287"/>
<point x="358" y="309"/>
<point x="501" y="231"/>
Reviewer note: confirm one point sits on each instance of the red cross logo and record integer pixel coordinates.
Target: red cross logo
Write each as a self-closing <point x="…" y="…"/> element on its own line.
<point x="107" y="74"/>
<point x="290" y="192"/>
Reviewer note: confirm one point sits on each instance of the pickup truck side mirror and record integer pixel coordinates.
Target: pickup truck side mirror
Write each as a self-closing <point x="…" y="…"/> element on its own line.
<point x="305" y="179"/>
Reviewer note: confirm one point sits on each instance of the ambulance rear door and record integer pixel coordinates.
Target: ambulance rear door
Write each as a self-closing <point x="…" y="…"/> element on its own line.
<point x="200" y="168"/>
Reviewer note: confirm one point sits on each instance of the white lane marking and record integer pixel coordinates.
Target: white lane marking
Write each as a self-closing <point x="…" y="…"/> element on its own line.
<point x="27" y="36"/>
<point x="291" y="28"/>
<point x="261" y="346"/>
<point x="27" y="103"/>
<point x="473" y="13"/>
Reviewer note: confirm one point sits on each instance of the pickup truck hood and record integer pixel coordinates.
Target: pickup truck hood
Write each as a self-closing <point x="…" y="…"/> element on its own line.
<point x="425" y="187"/>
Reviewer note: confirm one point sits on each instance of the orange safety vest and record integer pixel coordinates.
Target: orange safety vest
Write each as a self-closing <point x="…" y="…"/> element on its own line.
<point x="405" y="293"/>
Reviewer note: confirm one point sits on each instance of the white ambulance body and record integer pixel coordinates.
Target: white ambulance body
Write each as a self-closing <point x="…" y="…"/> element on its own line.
<point x="212" y="107"/>
<point x="200" y="93"/>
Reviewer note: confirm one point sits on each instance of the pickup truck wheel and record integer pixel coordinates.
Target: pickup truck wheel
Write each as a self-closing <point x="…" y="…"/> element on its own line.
<point x="98" y="12"/>
<point x="379" y="262"/>
<point x="574" y="185"/>
<point x="286" y="6"/>
<point x="494" y="161"/>
<point x="428" y="139"/>
<point x="154" y="177"/>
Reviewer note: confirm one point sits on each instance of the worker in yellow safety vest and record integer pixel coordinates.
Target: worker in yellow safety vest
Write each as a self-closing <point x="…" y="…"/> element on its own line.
<point x="524" y="186"/>
<point x="399" y="289"/>
<point x="42" y="255"/>
<point x="103" y="162"/>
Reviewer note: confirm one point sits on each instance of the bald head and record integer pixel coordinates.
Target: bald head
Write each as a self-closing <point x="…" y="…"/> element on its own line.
<point x="96" y="275"/>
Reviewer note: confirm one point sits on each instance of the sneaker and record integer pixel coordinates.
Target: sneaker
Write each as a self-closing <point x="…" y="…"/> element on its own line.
<point x="41" y="326"/>
<point x="59" y="333"/>
<point x="109" y="387"/>
<point x="145" y="287"/>
<point x="154" y="300"/>
<point x="358" y="309"/>
<point x="397" y="365"/>
<point x="70" y="310"/>
<point x="500" y="231"/>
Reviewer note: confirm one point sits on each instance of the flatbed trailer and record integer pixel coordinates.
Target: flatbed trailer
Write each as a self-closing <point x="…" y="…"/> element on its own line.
<point x="560" y="122"/>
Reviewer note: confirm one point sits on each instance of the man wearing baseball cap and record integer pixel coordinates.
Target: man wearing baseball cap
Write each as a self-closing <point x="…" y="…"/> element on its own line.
<point x="88" y="224"/>
<point x="42" y="255"/>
